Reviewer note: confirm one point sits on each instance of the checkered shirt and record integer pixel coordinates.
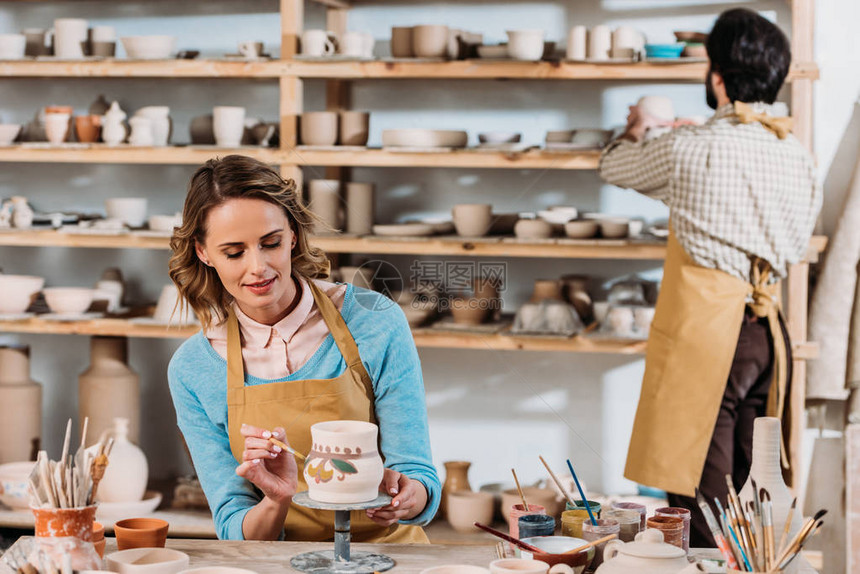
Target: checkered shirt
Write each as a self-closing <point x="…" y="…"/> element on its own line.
<point x="734" y="190"/>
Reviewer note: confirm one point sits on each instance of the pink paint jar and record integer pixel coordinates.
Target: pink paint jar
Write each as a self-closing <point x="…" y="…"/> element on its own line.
<point x="632" y="506"/>
<point x="518" y="510"/>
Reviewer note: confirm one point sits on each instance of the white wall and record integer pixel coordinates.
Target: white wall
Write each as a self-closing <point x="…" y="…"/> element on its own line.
<point x="497" y="409"/>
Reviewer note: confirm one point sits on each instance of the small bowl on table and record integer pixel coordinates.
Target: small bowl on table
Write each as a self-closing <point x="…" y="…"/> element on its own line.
<point x="147" y="561"/>
<point x="555" y="547"/>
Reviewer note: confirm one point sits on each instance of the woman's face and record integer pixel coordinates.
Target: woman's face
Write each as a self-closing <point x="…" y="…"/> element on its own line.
<point x="249" y="244"/>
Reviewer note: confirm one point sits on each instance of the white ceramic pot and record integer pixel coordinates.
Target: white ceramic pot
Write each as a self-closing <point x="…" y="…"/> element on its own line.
<point x="599" y="42"/>
<point x="647" y="555"/>
<point x="344" y="465"/>
<point x="57" y="127"/>
<point x="228" y="125"/>
<point x="147" y="561"/>
<point x="131" y="210"/>
<point x="126" y="475"/>
<point x="658" y="107"/>
<point x="577" y="43"/>
<point x="141" y="132"/>
<point x="18" y="292"/>
<point x="12" y="46"/>
<point x="69" y="36"/>
<point x="159" y="116"/>
<point x="8" y="133"/>
<point x="525" y="44"/>
<point x="68" y="300"/>
<point x="148" y="47"/>
<point x="318" y="43"/>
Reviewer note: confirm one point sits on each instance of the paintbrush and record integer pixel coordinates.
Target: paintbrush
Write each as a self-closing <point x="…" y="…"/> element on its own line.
<point x="735" y="508"/>
<point x="582" y="494"/>
<point x="287" y="448"/>
<point x="511" y="539"/>
<point x="737" y="542"/>
<point x="784" y="538"/>
<point x="796" y="542"/>
<point x="767" y="527"/>
<point x="557" y="482"/>
<point x="784" y="564"/>
<point x="520" y="490"/>
<point x="592" y="543"/>
<point x="715" y="530"/>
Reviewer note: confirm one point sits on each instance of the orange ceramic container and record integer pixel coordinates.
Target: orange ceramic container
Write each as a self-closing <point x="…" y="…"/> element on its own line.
<point x="59" y="522"/>
<point x="140" y="533"/>
<point x="99" y="538"/>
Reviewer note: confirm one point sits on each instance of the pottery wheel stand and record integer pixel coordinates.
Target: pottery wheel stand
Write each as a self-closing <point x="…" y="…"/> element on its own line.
<point x="340" y="560"/>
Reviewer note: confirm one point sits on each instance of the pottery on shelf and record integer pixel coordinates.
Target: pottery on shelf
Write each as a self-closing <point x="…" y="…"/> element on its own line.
<point x="526" y="45"/>
<point x="360" y="207"/>
<point x="546" y="289"/>
<point x="325" y="203"/>
<point x="581" y="229"/>
<point x="20" y="406"/>
<point x="109" y="388"/>
<point x="423" y="138"/>
<point x="160" y="125"/>
<point x="202" y="130"/>
<point x="318" y="128"/>
<point x="344" y="466"/>
<point x="533" y="229"/>
<point x="354" y="128"/>
<point x="575" y="289"/>
<point x="401" y="42"/>
<point x="113" y="129"/>
<point x="469" y="310"/>
<point x="456" y="480"/>
<point x="88" y="128"/>
<point x="430" y="41"/>
<point x="19" y="291"/>
<point x="472" y="219"/>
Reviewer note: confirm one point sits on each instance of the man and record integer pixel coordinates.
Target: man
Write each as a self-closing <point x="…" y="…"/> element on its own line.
<point x="743" y="200"/>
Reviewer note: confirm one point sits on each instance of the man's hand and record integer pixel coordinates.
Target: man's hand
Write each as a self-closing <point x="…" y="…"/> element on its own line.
<point x="639" y="123"/>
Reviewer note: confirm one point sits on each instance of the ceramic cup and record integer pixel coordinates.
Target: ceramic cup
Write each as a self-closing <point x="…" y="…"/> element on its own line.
<point x="324" y="201"/>
<point x="658" y="107"/>
<point x="349" y="449"/>
<point x="12" y="46"/>
<point x="131" y="210"/>
<point x="318" y="43"/>
<point x="518" y="566"/>
<point x="104" y="49"/>
<point x="35" y="38"/>
<point x="577" y="43"/>
<point x="357" y="45"/>
<point x="319" y="128"/>
<point x="57" y="127"/>
<point x="250" y="49"/>
<point x="465" y="507"/>
<point x="536" y="525"/>
<point x="70" y="37"/>
<point x="401" y="42"/>
<point x="599" y="42"/>
<point x="359" y="208"/>
<point x="526" y="45"/>
<point x="228" y="125"/>
<point x="430" y="41"/>
<point x="140" y="533"/>
<point x="472" y="219"/>
<point x="626" y="42"/>
<point x="103" y="34"/>
<point x="354" y="128"/>
<point x="88" y="128"/>
<point x="513" y="514"/>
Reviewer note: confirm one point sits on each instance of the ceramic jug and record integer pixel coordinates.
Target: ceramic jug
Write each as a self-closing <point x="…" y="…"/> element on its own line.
<point x="20" y="406"/>
<point x="456" y="479"/>
<point x="141" y="131"/>
<point x="113" y="129"/>
<point x="648" y="554"/>
<point x="126" y="476"/>
<point x="109" y="388"/>
<point x="344" y="466"/>
<point x="159" y="116"/>
<point x="22" y="214"/>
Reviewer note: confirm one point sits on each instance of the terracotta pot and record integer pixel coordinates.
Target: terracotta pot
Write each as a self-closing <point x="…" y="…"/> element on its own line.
<point x="99" y="538"/>
<point x="60" y="522"/>
<point x="430" y="41"/>
<point x="344" y="465"/>
<point x="88" y="128"/>
<point x="324" y="200"/>
<point x="472" y="219"/>
<point x="456" y="480"/>
<point x="140" y="533"/>
<point x="464" y="508"/>
<point x="20" y="406"/>
<point x="401" y="42"/>
<point x="360" y="208"/>
<point x="354" y="128"/>
<point x="109" y="389"/>
<point x="546" y="289"/>
<point x="318" y="128"/>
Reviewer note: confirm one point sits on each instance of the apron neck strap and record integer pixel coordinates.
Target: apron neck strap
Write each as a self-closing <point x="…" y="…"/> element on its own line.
<point x="332" y="317"/>
<point x="235" y="364"/>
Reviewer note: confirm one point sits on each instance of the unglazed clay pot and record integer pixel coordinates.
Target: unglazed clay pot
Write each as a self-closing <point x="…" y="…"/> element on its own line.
<point x="430" y="41"/>
<point x="401" y="42"/>
<point x="359" y="208"/>
<point x="140" y="533"/>
<point x="466" y="507"/>
<point x="344" y="466"/>
<point x="324" y="200"/>
<point x="456" y="480"/>
<point x="533" y="229"/>
<point x="88" y="128"/>
<point x="546" y="289"/>
<point x="319" y="128"/>
<point x="20" y="406"/>
<point x="472" y="219"/>
<point x="354" y="128"/>
<point x="109" y="388"/>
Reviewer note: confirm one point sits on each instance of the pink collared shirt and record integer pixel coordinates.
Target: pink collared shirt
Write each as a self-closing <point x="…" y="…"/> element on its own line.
<point x="276" y="351"/>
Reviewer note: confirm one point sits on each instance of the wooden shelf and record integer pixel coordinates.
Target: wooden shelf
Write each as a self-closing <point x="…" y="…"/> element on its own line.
<point x="375" y="69"/>
<point x="126" y="154"/>
<point x="106" y="327"/>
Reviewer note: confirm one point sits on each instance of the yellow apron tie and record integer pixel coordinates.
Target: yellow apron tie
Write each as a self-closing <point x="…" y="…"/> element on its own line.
<point x="764" y="305"/>
<point x="779" y="125"/>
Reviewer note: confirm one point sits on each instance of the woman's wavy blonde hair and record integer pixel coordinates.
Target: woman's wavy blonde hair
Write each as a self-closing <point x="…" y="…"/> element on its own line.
<point x="217" y="181"/>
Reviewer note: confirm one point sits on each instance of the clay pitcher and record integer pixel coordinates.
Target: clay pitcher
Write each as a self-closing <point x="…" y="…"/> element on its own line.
<point x="109" y="389"/>
<point x="20" y="406"/>
<point x="456" y="479"/>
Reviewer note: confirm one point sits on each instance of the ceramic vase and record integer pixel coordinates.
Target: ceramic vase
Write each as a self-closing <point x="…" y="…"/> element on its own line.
<point x="359" y="208"/>
<point x="456" y="479"/>
<point x="20" y="406"/>
<point x="126" y="476"/>
<point x="109" y="388"/>
<point x="766" y="470"/>
<point x="22" y="215"/>
<point x="113" y="129"/>
<point x="344" y="466"/>
<point x="324" y="201"/>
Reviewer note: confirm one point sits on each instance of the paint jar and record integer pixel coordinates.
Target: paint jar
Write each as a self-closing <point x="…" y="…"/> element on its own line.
<point x="672" y="528"/>
<point x="536" y="525"/>
<point x="604" y="527"/>
<point x="632" y="506"/>
<point x="683" y="514"/>
<point x="595" y="506"/>
<point x="571" y="522"/>
<point x="515" y="512"/>
<point x="628" y="520"/>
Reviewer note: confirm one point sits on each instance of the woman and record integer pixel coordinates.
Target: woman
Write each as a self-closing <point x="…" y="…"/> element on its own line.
<point x="279" y="351"/>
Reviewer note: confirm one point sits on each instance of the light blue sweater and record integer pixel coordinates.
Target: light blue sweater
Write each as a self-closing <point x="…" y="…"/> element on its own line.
<point x="198" y="384"/>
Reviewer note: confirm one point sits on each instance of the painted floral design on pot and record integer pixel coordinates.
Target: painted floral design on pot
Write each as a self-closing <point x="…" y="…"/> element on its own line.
<point x="344" y="466"/>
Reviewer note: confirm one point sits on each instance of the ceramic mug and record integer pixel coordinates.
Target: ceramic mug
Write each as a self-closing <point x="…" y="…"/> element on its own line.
<point x="357" y="45"/>
<point x="36" y="42"/>
<point x="70" y="37"/>
<point x="354" y="128"/>
<point x="430" y="41"/>
<point x="250" y="49"/>
<point x="599" y="42"/>
<point x="57" y="127"/>
<point x="319" y="128"/>
<point x="472" y="219"/>
<point x="228" y="125"/>
<point x="359" y="208"/>
<point x="626" y="42"/>
<point x="12" y="46"/>
<point x="318" y="43"/>
<point x="104" y="49"/>
<point x="577" y="43"/>
<point x="401" y="42"/>
<point x="525" y="45"/>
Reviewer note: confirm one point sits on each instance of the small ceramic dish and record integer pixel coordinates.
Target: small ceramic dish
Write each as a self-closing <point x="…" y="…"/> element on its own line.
<point x="555" y="546"/>
<point x="664" y="50"/>
<point x="614" y="228"/>
<point x="421" y="138"/>
<point x="691" y="37"/>
<point x="581" y="229"/>
<point x="405" y="229"/>
<point x="556" y="216"/>
<point x="156" y="47"/>
<point x="495" y="138"/>
<point x="147" y="561"/>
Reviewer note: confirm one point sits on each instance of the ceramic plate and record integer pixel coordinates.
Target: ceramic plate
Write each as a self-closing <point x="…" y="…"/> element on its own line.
<point x="16" y="316"/>
<point x="120" y="510"/>
<point x="66" y="317"/>
<point x="407" y="229"/>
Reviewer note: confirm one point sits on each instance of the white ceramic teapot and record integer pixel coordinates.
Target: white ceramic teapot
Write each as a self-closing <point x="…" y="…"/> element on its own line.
<point x="648" y="554"/>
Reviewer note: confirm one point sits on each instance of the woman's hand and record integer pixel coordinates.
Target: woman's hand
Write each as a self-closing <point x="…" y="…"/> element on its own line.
<point x="410" y="498"/>
<point x="267" y="466"/>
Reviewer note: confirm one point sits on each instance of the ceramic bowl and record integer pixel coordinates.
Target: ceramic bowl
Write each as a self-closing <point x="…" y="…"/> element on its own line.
<point x="18" y="292"/>
<point x="14" y="477"/>
<point x="149" y="47"/>
<point x="68" y="300"/>
<point x="555" y="546"/>
<point x="664" y="50"/>
<point x="8" y="133"/>
<point x="468" y="311"/>
<point x="499" y="137"/>
<point x="456" y="569"/>
<point x="559" y="136"/>
<point x="545" y="497"/>
<point x="131" y="210"/>
<point x="533" y="229"/>
<point x="147" y="561"/>
<point x="424" y="138"/>
<point x="518" y="566"/>
<point x="164" y="222"/>
<point x="464" y="508"/>
<point x="556" y="216"/>
<point x="217" y="570"/>
<point x="689" y="36"/>
<point x="614" y="228"/>
<point x="695" y="51"/>
<point x="581" y="229"/>
<point x="591" y="136"/>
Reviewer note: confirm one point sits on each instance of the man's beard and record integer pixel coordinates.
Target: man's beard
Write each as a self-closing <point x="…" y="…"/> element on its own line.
<point x="710" y="96"/>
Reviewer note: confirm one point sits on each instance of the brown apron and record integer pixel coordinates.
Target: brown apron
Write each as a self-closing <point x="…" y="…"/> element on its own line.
<point x="690" y="352"/>
<point x="296" y="405"/>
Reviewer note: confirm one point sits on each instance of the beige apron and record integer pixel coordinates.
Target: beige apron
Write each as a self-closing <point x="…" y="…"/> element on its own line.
<point x="690" y="352"/>
<point x="296" y="405"/>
